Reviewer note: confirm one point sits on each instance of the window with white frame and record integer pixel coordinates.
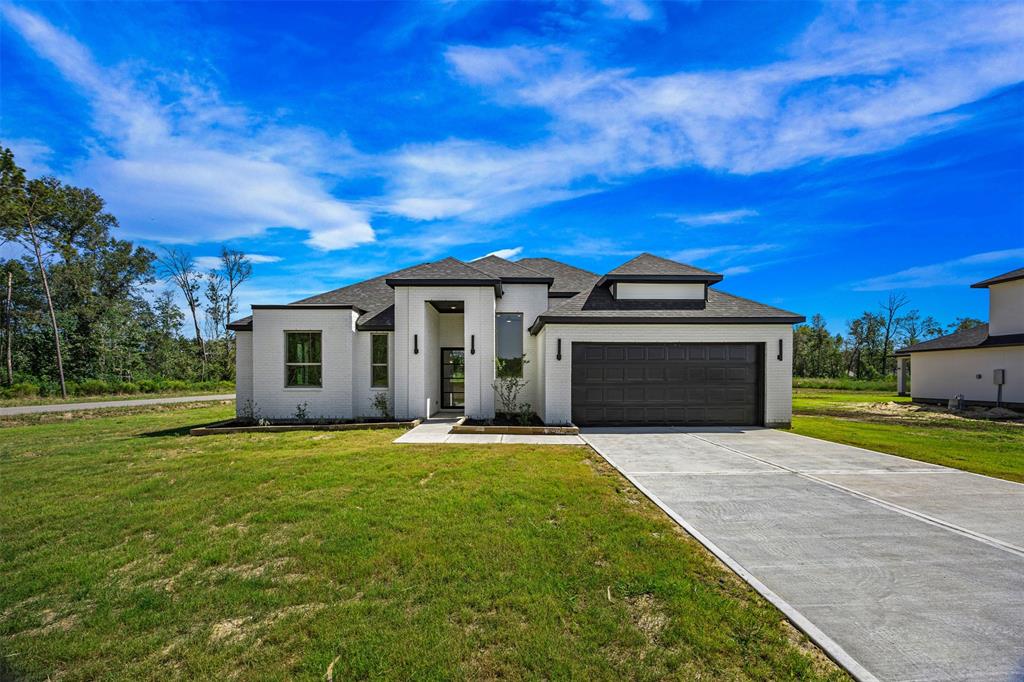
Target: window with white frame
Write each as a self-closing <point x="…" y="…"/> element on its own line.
<point x="302" y="363"/>
<point x="379" y="361"/>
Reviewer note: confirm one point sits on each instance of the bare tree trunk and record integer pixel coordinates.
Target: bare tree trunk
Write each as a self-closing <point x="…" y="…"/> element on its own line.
<point x="199" y="336"/>
<point x="53" y="315"/>
<point x="9" y="328"/>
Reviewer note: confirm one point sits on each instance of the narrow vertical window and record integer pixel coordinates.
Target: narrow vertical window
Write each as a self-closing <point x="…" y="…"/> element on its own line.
<point x="508" y="346"/>
<point x="302" y="363"/>
<point x="379" y="361"/>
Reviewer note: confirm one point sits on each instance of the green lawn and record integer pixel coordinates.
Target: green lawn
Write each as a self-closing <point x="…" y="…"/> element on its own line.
<point x="133" y="551"/>
<point x="984" y="447"/>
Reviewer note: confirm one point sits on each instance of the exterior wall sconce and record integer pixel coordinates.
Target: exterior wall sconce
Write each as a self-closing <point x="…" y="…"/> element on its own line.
<point x="558" y="352"/>
<point x="472" y="344"/>
<point x="415" y="344"/>
<point x="780" y="349"/>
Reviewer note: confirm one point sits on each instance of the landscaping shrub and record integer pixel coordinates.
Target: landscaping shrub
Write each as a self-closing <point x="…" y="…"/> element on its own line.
<point x="846" y="384"/>
<point x="21" y="389"/>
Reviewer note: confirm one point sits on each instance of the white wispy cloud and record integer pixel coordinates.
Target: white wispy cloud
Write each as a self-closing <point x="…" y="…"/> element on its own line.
<point x="190" y="165"/>
<point x="505" y="253"/>
<point x="257" y="258"/>
<point x="634" y="10"/>
<point x="857" y="81"/>
<point x="207" y="262"/>
<point x="956" y="272"/>
<point x="714" y="218"/>
<point x="722" y="253"/>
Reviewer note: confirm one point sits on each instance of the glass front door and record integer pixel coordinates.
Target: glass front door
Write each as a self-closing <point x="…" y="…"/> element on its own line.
<point x="453" y="378"/>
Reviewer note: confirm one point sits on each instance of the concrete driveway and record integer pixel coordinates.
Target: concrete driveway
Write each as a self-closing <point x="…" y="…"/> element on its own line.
<point x="902" y="570"/>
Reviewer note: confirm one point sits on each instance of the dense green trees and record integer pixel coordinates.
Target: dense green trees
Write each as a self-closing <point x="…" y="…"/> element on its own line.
<point x="82" y="303"/>
<point x="867" y="350"/>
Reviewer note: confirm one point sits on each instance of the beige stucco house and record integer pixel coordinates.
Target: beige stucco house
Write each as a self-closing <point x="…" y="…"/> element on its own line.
<point x="984" y="364"/>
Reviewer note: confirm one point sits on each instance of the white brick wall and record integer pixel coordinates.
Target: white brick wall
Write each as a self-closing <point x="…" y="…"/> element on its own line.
<point x="362" y="394"/>
<point x="531" y="300"/>
<point x="334" y="397"/>
<point x="418" y="375"/>
<point x="778" y="374"/>
<point x="243" y="371"/>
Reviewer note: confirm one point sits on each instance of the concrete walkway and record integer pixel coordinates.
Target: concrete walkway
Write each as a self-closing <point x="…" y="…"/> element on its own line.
<point x="437" y="431"/>
<point x="102" y="404"/>
<point x="901" y="570"/>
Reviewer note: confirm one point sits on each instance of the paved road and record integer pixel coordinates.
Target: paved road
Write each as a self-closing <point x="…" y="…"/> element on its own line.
<point x="71" y="407"/>
<point x="902" y="570"/>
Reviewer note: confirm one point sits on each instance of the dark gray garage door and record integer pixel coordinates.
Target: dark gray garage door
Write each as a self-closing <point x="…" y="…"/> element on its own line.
<point x="667" y="383"/>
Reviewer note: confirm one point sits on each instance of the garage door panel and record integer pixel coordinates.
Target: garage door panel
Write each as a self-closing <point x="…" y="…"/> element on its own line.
<point x="683" y="383"/>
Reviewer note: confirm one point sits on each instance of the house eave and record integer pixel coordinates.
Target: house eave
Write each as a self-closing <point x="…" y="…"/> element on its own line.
<point x="615" y="279"/>
<point x="577" y="320"/>
<point x="496" y="283"/>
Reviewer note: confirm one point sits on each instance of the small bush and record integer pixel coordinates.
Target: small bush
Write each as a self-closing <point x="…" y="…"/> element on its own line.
<point x="90" y="387"/>
<point x="846" y="384"/>
<point x="22" y="389"/>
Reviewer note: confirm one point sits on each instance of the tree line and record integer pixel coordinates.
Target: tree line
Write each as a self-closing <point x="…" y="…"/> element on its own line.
<point x="81" y="305"/>
<point x="867" y="351"/>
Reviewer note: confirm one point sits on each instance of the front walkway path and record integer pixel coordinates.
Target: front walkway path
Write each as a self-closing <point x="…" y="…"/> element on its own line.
<point x="437" y="431"/>
<point x="901" y="570"/>
<point x="102" y="404"/>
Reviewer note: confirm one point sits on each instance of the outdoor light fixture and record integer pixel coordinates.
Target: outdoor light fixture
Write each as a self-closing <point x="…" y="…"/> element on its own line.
<point x="780" y="349"/>
<point x="472" y="344"/>
<point x="415" y="344"/>
<point x="558" y="353"/>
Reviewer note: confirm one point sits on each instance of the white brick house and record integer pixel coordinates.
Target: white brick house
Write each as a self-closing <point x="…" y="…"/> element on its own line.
<point x="651" y="342"/>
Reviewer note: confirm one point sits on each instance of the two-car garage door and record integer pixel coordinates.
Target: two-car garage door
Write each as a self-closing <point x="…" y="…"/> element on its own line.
<point x="667" y="383"/>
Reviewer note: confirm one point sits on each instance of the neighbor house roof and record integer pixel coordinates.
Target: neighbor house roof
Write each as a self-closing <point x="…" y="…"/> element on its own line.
<point x="598" y="305"/>
<point x="975" y="337"/>
<point x="999" y="279"/>
<point x="568" y="279"/>
<point x="650" y="268"/>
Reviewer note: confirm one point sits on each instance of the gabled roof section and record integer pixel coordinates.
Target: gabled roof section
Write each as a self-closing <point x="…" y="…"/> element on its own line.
<point x="445" y="272"/>
<point x="975" y="337"/>
<point x="1000" y="279"/>
<point x="512" y="273"/>
<point x="650" y="268"/>
<point x="568" y="279"/>
<point x="598" y="306"/>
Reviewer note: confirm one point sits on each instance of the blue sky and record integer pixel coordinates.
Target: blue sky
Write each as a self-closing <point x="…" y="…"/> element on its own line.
<point x="819" y="156"/>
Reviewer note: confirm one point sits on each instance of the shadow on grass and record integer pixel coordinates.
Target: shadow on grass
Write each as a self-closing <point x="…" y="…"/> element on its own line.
<point x="176" y="431"/>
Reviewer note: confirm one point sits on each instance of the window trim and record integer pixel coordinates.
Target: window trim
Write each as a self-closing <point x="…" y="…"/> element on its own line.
<point x="304" y="387"/>
<point x="387" y="360"/>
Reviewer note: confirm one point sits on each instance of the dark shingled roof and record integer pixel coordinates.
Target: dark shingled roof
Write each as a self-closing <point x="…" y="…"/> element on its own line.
<point x="976" y="337"/>
<point x="647" y="264"/>
<point x="510" y="272"/>
<point x="598" y="305"/>
<point x="568" y="279"/>
<point x="999" y="279"/>
<point x="451" y="269"/>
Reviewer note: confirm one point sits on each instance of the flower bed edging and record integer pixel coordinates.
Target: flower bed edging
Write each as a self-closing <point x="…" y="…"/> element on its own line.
<point x="518" y="430"/>
<point x="222" y="427"/>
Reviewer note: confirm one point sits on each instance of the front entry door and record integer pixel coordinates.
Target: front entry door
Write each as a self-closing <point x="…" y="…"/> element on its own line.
<point x="453" y="378"/>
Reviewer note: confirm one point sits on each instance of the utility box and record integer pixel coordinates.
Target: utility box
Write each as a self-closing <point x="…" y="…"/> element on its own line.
<point x="999" y="377"/>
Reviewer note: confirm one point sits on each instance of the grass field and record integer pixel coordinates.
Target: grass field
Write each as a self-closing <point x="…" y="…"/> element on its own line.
<point x="133" y="551"/>
<point x="56" y="400"/>
<point x="984" y="447"/>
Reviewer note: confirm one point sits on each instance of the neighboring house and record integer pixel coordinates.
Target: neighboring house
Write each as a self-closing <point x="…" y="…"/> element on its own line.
<point x="973" y="362"/>
<point x="650" y="342"/>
